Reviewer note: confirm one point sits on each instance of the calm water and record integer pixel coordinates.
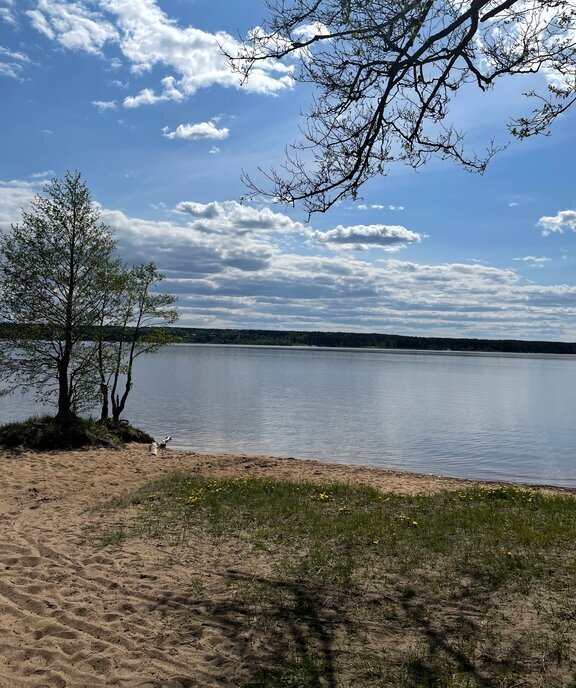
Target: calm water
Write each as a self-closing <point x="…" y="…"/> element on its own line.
<point x="484" y="416"/>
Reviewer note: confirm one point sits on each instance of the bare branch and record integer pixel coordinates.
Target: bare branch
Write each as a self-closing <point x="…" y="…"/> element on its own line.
<point x="385" y="73"/>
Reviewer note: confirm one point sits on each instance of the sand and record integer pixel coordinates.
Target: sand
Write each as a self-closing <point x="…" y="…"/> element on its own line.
<point x="79" y="614"/>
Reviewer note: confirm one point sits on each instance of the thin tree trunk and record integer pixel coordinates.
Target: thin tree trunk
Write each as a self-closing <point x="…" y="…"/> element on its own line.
<point x="64" y="397"/>
<point x="64" y="406"/>
<point x="120" y="402"/>
<point x="64" y="410"/>
<point x="105" y="412"/>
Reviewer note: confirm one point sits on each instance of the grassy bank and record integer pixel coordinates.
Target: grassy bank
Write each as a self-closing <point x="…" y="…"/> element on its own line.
<point x="41" y="433"/>
<point x="331" y="585"/>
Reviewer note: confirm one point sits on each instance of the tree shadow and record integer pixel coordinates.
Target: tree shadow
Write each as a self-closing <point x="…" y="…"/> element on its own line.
<point x="285" y="634"/>
<point x="422" y="669"/>
<point x="294" y="646"/>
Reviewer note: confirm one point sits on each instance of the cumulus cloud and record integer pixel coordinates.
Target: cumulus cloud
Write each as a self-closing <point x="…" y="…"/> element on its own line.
<point x="145" y="97"/>
<point x="73" y="25"/>
<point x="231" y="217"/>
<point x="170" y="91"/>
<point x="204" y="210"/>
<point x="148" y="37"/>
<point x="201" y="130"/>
<point x="15" y="195"/>
<point x="187" y="251"/>
<point x="241" y="266"/>
<point x="564" y="220"/>
<point x="362" y="237"/>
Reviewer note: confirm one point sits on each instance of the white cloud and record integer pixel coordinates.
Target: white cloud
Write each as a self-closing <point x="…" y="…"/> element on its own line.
<point x="170" y="91"/>
<point x="378" y="206"/>
<point x="214" y="150"/>
<point x="148" y="38"/>
<point x="73" y="25"/>
<point x="11" y="70"/>
<point x="197" y="250"/>
<point x="241" y="266"/>
<point x="42" y="175"/>
<point x="104" y="105"/>
<point x="564" y="220"/>
<point x="203" y="210"/>
<point x="41" y="24"/>
<point x="533" y="261"/>
<point x="15" y="195"/>
<point x="11" y="63"/>
<point x="7" y="14"/>
<point x="145" y="97"/>
<point x="308" y="31"/>
<point x="231" y="217"/>
<point x="390" y="238"/>
<point x="201" y="130"/>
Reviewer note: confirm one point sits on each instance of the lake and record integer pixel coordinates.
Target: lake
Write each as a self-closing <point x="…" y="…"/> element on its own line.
<point x="489" y="416"/>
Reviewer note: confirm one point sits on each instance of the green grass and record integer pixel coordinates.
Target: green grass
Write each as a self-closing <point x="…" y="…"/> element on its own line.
<point x="41" y="433"/>
<point x="346" y="586"/>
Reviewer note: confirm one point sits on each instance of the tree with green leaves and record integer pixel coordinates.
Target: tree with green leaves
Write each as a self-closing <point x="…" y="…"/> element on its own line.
<point x="53" y="267"/>
<point x="139" y="319"/>
<point x="385" y="73"/>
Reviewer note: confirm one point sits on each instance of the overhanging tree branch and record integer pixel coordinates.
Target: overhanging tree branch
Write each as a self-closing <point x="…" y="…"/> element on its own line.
<point x="385" y="72"/>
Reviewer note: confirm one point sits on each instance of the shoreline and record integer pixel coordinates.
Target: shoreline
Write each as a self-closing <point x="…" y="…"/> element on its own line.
<point x="399" y="480"/>
<point x="122" y="468"/>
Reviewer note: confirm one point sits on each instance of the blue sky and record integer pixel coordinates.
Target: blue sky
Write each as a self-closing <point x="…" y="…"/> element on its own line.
<point x="137" y="95"/>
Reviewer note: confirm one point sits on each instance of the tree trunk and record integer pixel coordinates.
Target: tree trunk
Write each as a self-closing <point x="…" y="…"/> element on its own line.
<point x="105" y="412"/>
<point x="120" y="402"/>
<point x="64" y="406"/>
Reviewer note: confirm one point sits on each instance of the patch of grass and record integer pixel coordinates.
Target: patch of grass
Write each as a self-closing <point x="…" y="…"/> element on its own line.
<point x="347" y="586"/>
<point x="42" y="433"/>
<point x="115" y="536"/>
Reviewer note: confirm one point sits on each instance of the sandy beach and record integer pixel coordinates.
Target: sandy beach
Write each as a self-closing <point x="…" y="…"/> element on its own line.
<point x="75" y="613"/>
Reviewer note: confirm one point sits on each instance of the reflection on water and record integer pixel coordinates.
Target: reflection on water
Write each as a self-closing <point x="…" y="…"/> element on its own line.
<point x="484" y="416"/>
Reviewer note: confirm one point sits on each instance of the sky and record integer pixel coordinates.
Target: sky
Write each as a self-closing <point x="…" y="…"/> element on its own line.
<point x="138" y="96"/>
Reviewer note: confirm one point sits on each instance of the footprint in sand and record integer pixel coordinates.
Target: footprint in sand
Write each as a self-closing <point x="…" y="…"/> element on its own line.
<point x="55" y="631"/>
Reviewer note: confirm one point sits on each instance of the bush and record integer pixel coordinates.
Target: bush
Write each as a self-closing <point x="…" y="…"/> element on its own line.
<point x="45" y="433"/>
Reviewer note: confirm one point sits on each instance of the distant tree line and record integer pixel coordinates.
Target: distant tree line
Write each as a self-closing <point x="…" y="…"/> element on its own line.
<point x="362" y="340"/>
<point x="353" y="340"/>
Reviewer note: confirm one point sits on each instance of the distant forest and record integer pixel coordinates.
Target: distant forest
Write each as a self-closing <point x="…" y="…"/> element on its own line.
<point x="357" y="340"/>
<point x="360" y="340"/>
